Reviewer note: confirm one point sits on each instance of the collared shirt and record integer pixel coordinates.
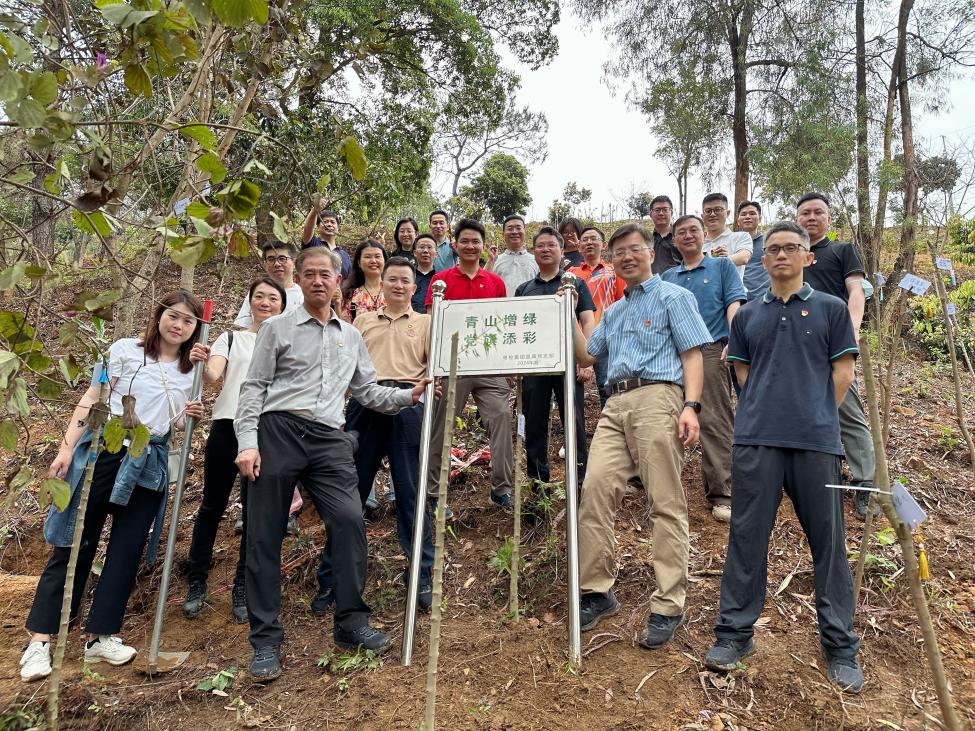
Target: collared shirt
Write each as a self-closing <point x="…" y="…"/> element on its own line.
<point x="644" y="333"/>
<point x="304" y="368"/>
<point x="396" y="345"/>
<point x="834" y="262"/>
<point x="483" y="285"/>
<point x="665" y="254"/>
<point x="294" y="299"/>
<point x="538" y="287"/>
<point x="788" y="399"/>
<point x="715" y="285"/>
<point x="408" y="255"/>
<point x="515" y="267"/>
<point x="446" y="257"/>
<point x="422" y="285"/>
<point x="756" y="278"/>
<point x="343" y="254"/>
<point x="733" y="241"/>
<point x="604" y="286"/>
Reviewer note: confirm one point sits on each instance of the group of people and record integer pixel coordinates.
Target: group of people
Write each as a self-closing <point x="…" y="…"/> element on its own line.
<point x="658" y="326"/>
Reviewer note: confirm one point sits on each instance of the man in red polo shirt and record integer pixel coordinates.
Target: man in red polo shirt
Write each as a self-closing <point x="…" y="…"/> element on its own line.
<point x="467" y="280"/>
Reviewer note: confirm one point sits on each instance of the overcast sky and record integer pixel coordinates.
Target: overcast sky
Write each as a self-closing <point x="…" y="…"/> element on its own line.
<point x="604" y="145"/>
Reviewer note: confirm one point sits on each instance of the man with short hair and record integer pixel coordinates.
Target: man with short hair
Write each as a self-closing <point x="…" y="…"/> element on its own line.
<point x="468" y="280"/>
<point x="794" y="350"/>
<point x="515" y="264"/>
<point x="571" y="230"/>
<point x="440" y="230"/>
<point x="836" y="269"/>
<point x="755" y="278"/>
<point x="604" y="286"/>
<point x="719" y="239"/>
<point x="424" y="250"/>
<point x="279" y="263"/>
<point x="289" y="428"/>
<point x="652" y="339"/>
<point x="715" y="284"/>
<point x="537" y="391"/>
<point x="328" y="232"/>
<point x="665" y="254"/>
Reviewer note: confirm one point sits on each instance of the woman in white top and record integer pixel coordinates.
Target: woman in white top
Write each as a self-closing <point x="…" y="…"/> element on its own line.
<point x="229" y="359"/>
<point x="157" y="370"/>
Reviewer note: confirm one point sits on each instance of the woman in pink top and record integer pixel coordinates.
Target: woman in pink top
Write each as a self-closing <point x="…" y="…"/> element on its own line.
<point x="363" y="290"/>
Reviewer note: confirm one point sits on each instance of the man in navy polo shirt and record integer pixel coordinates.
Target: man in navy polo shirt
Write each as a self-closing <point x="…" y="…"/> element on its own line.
<point x="794" y="351"/>
<point x="837" y="270"/>
<point x="538" y="390"/>
<point x="716" y="286"/>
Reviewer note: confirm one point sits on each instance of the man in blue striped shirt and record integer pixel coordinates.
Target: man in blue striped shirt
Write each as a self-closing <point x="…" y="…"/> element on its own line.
<point x="652" y="340"/>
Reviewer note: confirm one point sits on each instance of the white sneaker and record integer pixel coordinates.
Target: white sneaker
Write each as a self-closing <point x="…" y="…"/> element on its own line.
<point x="110" y="649"/>
<point x="36" y="661"/>
<point x="721" y="513"/>
<point x="561" y="452"/>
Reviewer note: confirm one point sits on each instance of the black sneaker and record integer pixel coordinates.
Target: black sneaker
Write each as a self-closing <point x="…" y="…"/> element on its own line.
<point x="659" y="630"/>
<point x="321" y="603"/>
<point x="595" y="607"/>
<point x="861" y="499"/>
<point x="366" y="637"/>
<point x="845" y="674"/>
<point x="505" y="502"/>
<point x="195" y="598"/>
<point x="725" y="655"/>
<point x="425" y="598"/>
<point x="266" y="663"/>
<point x="238" y="604"/>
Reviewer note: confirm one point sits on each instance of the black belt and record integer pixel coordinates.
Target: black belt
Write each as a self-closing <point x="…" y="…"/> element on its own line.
<point x="631" y="383"/>
<point x="396" y="384"/>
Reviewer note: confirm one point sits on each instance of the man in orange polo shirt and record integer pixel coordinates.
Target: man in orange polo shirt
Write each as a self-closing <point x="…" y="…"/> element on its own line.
<point x="604" y="286"/>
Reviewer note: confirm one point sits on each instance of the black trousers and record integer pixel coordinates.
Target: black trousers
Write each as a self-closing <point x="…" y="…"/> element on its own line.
<point x="219" y="474"/>
<point x="126" y="543"/>
<point x="537" y="405"/>
<point x="757" y="477"/>
<point x="320" y="457"/>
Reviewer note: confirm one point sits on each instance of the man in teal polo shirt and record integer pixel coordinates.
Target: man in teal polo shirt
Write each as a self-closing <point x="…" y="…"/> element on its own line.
<point x="716" y="286"/>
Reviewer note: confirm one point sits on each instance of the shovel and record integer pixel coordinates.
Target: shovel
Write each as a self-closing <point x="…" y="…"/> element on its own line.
<point x="160" y="661"/>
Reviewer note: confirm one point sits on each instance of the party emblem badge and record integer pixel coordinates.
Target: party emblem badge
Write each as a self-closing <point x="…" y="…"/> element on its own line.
<point x="648" y="323"/>
<point x="705" y="280"/>
<point x="805" y="313"/>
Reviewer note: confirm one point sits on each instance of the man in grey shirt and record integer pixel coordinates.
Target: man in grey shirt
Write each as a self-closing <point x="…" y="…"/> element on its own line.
<point x="289" y="428"/>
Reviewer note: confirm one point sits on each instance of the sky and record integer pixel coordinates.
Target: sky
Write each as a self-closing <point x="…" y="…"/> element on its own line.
<point x="605" y="145"/>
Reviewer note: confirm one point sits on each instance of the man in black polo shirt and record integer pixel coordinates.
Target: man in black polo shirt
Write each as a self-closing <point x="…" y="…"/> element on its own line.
<point x="665" y="254"/>
<point x="794" y="350"/>
<point x="837" y="270"/>
<point x="537" y="390"/>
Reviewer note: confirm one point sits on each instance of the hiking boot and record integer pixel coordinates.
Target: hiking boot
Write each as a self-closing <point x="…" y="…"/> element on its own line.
<point x="238" y="603"/>
<point x="195" y="598"/>
<point x="266" y="663"/>
<point x="721" y="512"/>
<point x="366" y="637"/>
<point x="110" y="649"/>
<point x="505" y="502"/>
<point x="322" y="601"/>
<point x="659" y="630"/>
<point x="35" y="663"/>
<point x="425" y="598"/>
<point x="861" y="499"/>
<point x="595" y="607"/>
<point x="845" y="674"/>
<point x="725" y="655"/>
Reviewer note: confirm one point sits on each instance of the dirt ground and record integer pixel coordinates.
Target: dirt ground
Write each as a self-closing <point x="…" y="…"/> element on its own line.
<point x="499" y="674"/>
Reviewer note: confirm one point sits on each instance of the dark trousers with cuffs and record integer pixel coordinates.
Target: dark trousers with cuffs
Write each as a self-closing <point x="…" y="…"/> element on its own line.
<point x="126" y="544"/>
<point x="758" y="475"/>
<point x="536" y="397"/>
<point x="320" y="457"/>
<point x="219" y="474"/>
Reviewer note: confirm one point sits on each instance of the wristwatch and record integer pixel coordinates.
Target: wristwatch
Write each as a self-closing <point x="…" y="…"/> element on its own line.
<point x="696" y="405"/>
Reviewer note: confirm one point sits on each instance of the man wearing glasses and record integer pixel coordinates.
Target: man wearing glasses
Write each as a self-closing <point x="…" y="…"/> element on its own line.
<point x="279" y="263"/>
<point x="652" y="339"/>
<point x="720" y="240"/>
<point x="665" y="254"/>
<point x="794" y="350"/>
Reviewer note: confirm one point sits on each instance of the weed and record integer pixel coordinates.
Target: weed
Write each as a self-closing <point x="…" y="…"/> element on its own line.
<point x="89" y="675"/>
<point x="948" y="439"/>
<point x="479" y="709"/>
<point x="347" y="662"/>
<point x="500" y="560"/>
<point x="21" y="719"/>
<point x="387" y="595"/>
<point x="219" y="683"/>
<point x="343" y="684"/>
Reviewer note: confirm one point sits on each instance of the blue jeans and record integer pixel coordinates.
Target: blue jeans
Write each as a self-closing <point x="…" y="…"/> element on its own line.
<point x="398" y="437"/>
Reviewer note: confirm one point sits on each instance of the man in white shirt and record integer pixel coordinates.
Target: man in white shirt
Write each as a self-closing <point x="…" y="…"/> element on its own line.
<point x="515" y="265"/>
<point x="719" y="239"/>
<point x="279" y="263"/>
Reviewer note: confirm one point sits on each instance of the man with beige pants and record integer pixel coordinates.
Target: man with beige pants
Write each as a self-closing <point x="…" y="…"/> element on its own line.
<point x="652" y="339"/>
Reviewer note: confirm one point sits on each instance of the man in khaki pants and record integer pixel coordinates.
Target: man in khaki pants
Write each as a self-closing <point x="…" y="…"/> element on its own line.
<point x="652" y="339"/>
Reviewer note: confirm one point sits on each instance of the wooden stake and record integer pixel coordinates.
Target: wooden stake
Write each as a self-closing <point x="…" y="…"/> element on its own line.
<point x="516" y="531"/>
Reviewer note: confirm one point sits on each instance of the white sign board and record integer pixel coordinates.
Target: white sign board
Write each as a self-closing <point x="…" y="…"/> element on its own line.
<point x="503" y="336"/>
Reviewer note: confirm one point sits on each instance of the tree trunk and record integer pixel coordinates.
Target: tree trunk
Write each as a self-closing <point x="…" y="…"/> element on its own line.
<point x="905" y="257"/>
<point x="738" y="37"/>
<point x="42" y="210"/>
<point x="863" y="231"/>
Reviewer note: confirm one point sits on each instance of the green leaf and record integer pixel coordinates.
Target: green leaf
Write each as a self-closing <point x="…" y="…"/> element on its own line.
<point x="191" y="252"/>
<point x="55" y="490"/>
<point x="10" y="85"/>
<point x="197" y="209"/>
<point x="68" y="365"/>
<point x="52" y="183"/>
<point x="355" y="158"/>
<point x="16" y="48"/>
<point x="256" y="164"/>
<point x="137" y="80"/>
<point x="21" y="479"/>
<point x="38" y="362"/>
<point x="240" y="198"/>
<point x="102" y="299"/>
<point x="280" y="232"/>
<point x="36" y="272"/>
<point x="203" y="228"/>
<point x="117" y="13"/>
<point x="239" y="244"/>
<point x="48" y="388"/>
<point x="28" y="113"/>
<point x="98" y="223"/>
<point x="9" y="363"/>
<point x="114" y="434"/>
<point x="43" y="87"/>
<point x="23" y="177"/>
<point x="138" y="16"/>
<point x="18" y="398"/>
<point x="11" y="276"/>
<point x="68" y="333"/>
<point x="210" y="163"/>
<point x="9" y="434"/>
<point x="201" y="133"/>
<point x="140" y="440"/>
<point x="237" y="13"/>
<point x="323" y="182"/>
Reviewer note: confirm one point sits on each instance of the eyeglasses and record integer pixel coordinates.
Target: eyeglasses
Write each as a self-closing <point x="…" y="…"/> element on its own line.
<point x="657" y="210"/>
<point x="277" y="259"/>
<point x="787" y="248"/>
<point x="714" y="211"/>
<point x="632" y="250"/>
